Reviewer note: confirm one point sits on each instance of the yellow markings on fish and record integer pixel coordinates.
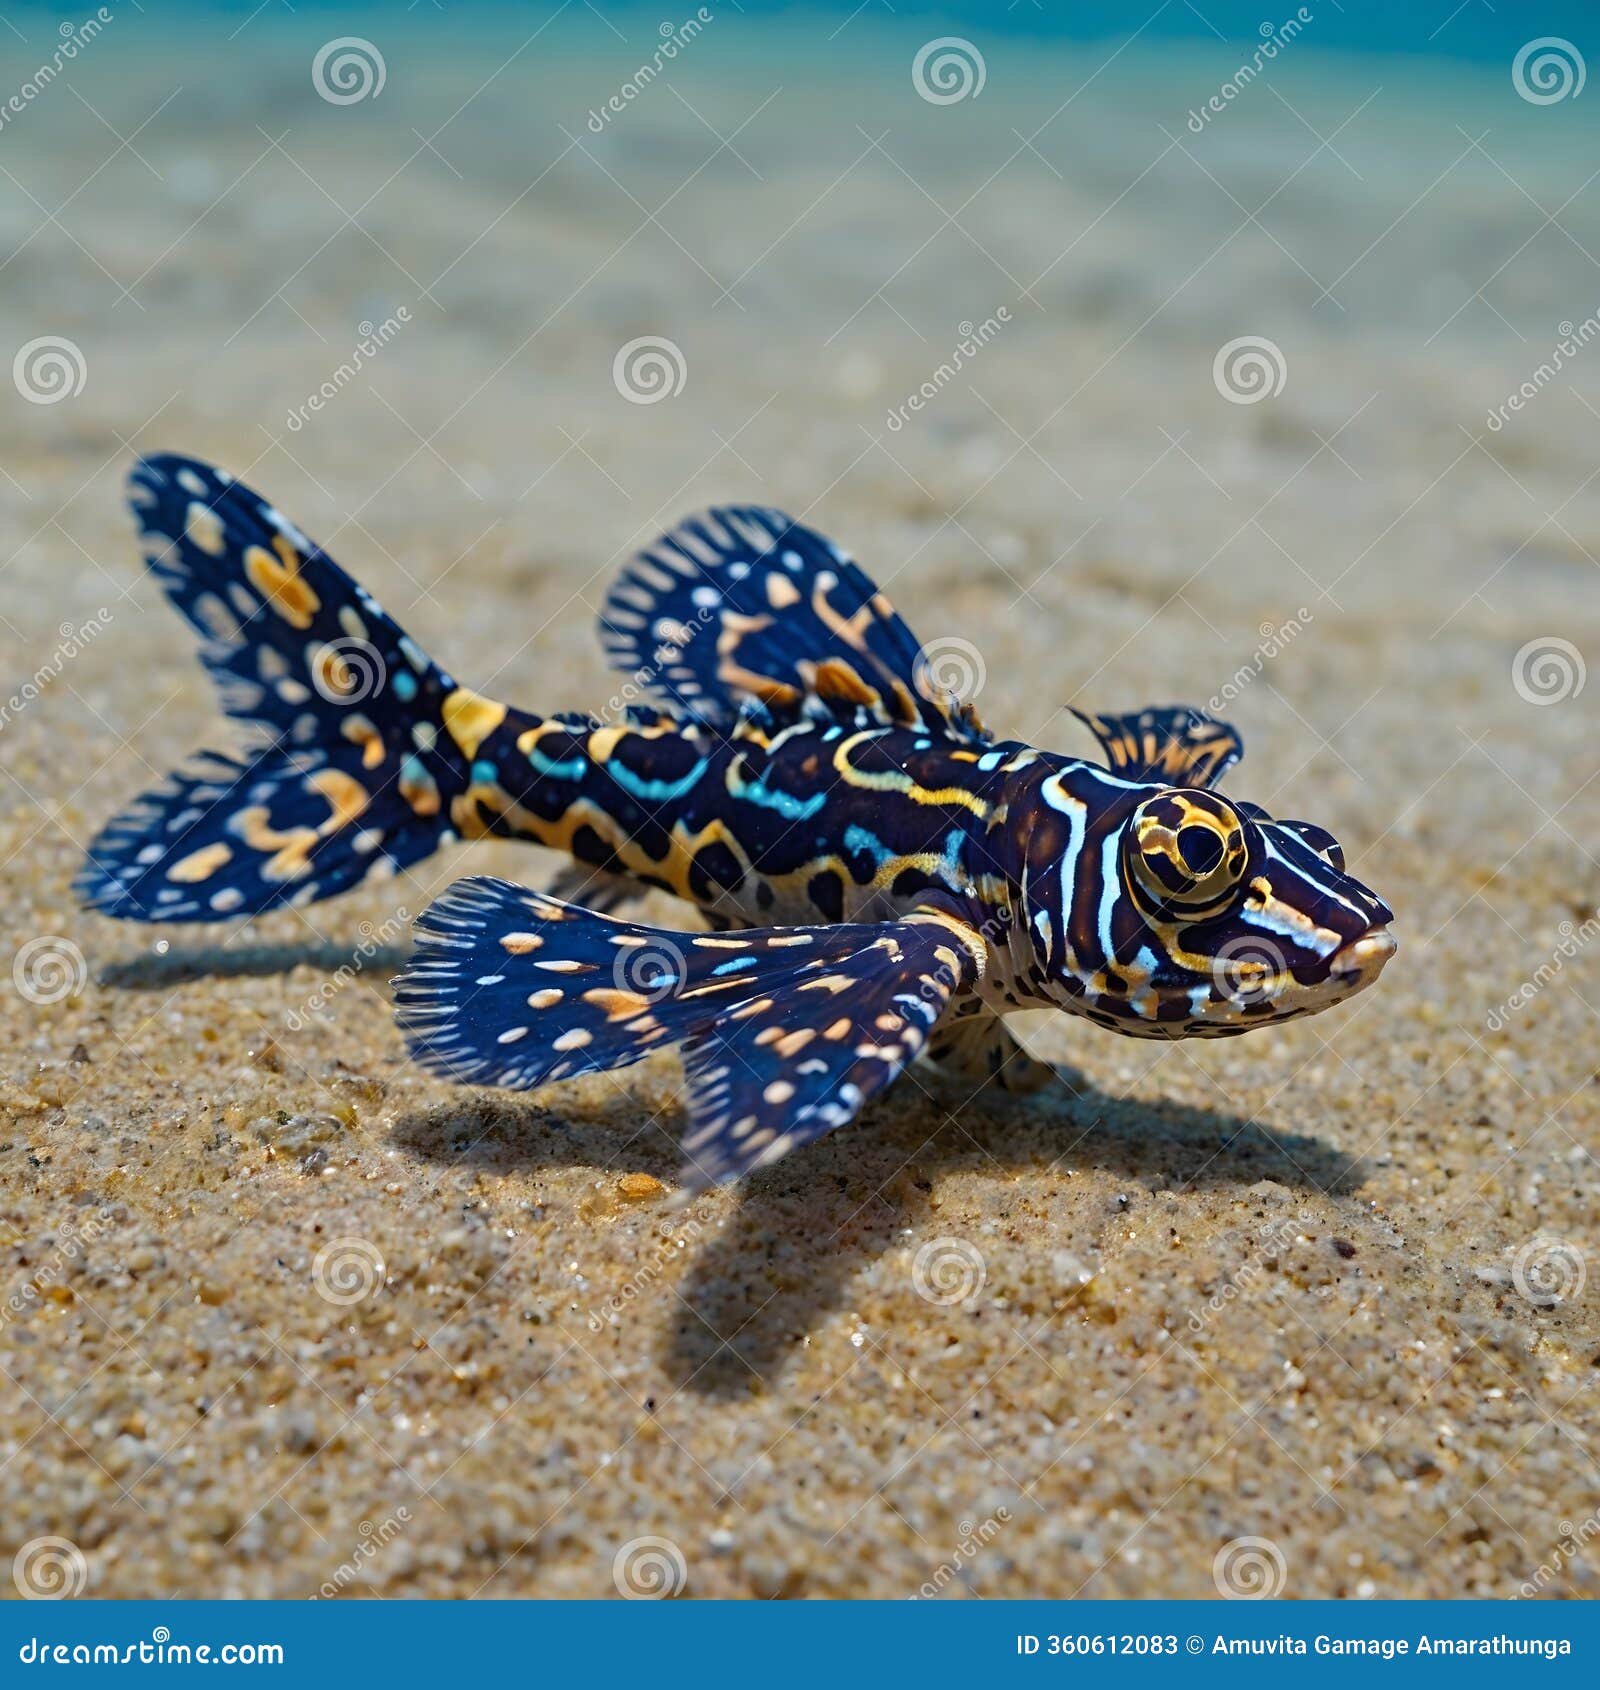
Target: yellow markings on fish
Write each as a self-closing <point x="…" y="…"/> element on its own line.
<point x="969" y="938"/>
<point x="346" y="797"/>
<point x="604" y="741"/>
<point x="363" y="732"/>
<point x="484" y="804"/>
<point x="836" y="679"/>
<point x="471" y="719"/>
<point x="617" y="1004"/>
<point x="530" y="737"/>
<point x="204" y="527"/>
<point x="897" y="780"/>
<point x="201" y="864"/>
<point x="733" y="984"/>
<point x="735" y="625"/>
<point x="419" y="789"/>
<point x="280" y="583"/>
<point x="851" y="630"/>
<point x="287" y="853"/>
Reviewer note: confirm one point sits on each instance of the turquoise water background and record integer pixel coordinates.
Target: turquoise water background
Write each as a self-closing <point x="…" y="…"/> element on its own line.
<point x="1448" y="29"/>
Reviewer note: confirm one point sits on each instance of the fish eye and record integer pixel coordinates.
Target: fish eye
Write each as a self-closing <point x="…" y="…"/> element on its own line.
<point x="1185" y="847"/>
<point x="1320" y="841"/>
<point x="1200" y="849"/>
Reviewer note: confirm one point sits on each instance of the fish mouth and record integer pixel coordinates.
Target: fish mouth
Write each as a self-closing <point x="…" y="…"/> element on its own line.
<point x="1363" y="957"/>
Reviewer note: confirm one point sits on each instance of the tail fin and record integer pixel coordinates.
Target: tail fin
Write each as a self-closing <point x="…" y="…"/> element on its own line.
<point x="359" y="742"/>
<point x="785" y="1032"/>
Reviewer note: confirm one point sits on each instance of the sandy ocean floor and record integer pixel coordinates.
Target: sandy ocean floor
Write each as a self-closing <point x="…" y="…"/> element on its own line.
<point x="1321" y="1287"/>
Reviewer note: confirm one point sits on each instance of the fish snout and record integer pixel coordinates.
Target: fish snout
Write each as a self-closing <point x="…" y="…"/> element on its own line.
<point x="1364" y="957"/>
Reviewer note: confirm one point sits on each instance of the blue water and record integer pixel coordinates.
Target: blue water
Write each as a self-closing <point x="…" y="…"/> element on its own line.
<point x="1449" y="29"/>
<point x="1463" y="29"/>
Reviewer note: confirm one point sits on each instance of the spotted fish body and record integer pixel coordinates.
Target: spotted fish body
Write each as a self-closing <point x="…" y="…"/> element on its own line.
<point x="882" y="879"/>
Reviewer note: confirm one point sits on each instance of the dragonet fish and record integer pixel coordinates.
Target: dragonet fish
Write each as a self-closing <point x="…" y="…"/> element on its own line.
<point x="881" y="878"/>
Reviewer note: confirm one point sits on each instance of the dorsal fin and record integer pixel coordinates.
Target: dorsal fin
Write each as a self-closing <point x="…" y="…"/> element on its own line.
<point x="1174" y="743"/>
<point x="743" y="603"/>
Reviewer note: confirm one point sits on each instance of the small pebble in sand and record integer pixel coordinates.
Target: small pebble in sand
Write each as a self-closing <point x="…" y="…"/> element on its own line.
<point x="639" y="1188"/>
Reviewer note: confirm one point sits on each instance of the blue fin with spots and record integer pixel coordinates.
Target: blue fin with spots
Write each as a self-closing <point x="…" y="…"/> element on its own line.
<point x="352" y="756"/>
<point x="742" y="603"/>
<point x="785" y="1032"/>
<point x="225" y="838"/>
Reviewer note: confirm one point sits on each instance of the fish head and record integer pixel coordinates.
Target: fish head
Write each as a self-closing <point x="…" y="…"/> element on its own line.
<point x="1171" y="912"/>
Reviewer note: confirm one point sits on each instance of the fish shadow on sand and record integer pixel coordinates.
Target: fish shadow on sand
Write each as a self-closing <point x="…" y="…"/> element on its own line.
<point x="760" y="1282"/>
<point x="153" y="972"/>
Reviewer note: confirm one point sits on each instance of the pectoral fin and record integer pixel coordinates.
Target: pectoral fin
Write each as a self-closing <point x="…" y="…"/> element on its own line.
<point x="785" y="1032"/>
